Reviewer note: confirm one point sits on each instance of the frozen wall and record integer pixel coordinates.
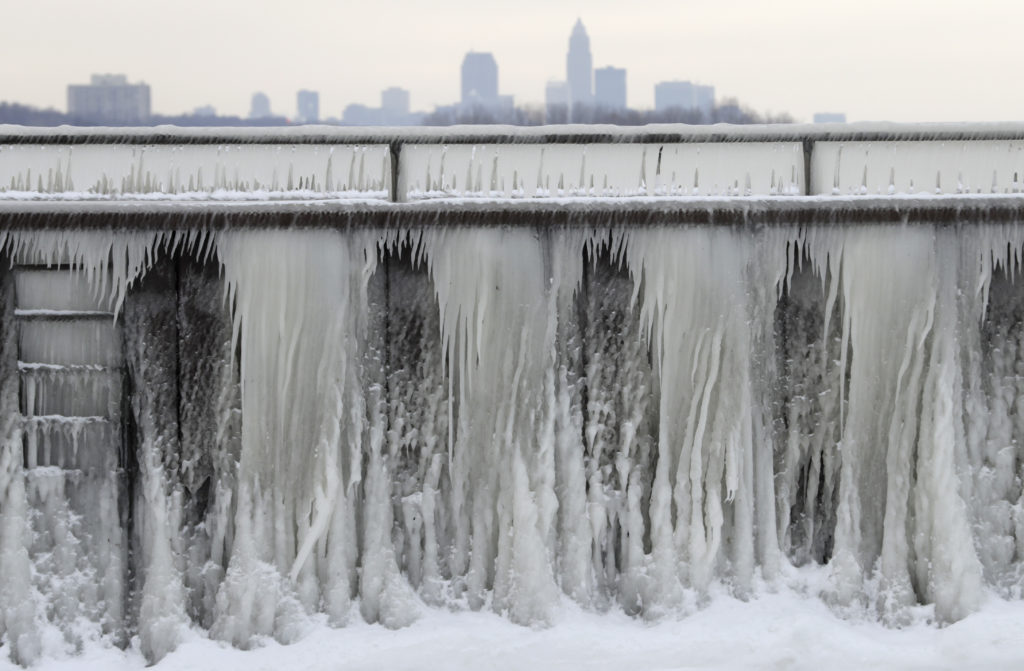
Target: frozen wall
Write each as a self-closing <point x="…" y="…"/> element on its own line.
<point x="373" y="423"/>
<point x="226" y="171"/>
<point x="727" y="167"/>
<point x="536" y="171"/>
<point x="921" y="167"/>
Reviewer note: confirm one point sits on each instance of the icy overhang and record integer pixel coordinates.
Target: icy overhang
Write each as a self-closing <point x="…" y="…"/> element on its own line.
<point x="592" y="213"/>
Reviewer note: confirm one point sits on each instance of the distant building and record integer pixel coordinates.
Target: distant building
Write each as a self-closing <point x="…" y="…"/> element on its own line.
<point x="610" y="87"/>
<point x="556" y="102"/>
<point x="362" y="115"/>
<point x="109" y="99"/>
<point x="394" y="101"/>
<point x="673" y="94"/>
<point x="260" y="107"/>
<point x="394" y="110"/>
<point x="684" y="95"/>
<point x="205" y="111"/>
<point x="579" y="66"/>
<point x="308" y="103"/>
<point x="479" y="80"/>
<point x="704" y="98"/>
<point x="829" y="117"/>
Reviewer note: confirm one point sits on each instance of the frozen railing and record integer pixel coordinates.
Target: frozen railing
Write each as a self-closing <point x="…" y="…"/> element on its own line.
<point x="496" y="163"/>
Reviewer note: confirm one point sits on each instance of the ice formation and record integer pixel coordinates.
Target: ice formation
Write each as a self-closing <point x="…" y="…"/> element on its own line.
<point x="198" y="172"/>
<point x="232" y="431"/>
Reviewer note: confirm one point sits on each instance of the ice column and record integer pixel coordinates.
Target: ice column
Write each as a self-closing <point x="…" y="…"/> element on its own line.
<point x="712" y="492"/>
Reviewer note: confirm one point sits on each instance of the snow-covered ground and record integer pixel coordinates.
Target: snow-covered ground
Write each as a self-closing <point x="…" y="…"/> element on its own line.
<point x="784" y="629"/>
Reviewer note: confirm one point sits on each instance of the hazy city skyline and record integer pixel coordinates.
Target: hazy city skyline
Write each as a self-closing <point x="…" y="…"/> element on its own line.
<point x="871" y="59"/>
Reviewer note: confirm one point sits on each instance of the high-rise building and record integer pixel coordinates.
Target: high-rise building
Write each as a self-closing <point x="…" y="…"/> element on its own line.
<point x="479" y="79"/>
<point x="579" y="67"/>
<point x="109" y="99"/>
<point x="260" y="107"/>
<point x="610" y="87"/>
<point x="308" y="106"/>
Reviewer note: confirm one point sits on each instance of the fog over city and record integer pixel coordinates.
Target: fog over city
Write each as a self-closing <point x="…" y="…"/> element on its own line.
<point x="911" y="60"/>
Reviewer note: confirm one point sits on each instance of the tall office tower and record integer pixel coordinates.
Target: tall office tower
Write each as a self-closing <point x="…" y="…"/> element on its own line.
<point x="479" y="79"/>
<point x="610" y="87"/>
<point x="109" y="99"/>
<point x="260" y="107"/>
<point x="308" y="106"/>
<point x="579" y="66"/>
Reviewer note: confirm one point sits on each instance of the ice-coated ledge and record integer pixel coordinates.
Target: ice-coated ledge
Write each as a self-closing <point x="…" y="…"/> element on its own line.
<point x="519" y="164"/>
<point x="498" y="212"/>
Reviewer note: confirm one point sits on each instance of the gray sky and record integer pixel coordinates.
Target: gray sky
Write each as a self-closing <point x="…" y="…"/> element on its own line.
<point x="900" y="60"/>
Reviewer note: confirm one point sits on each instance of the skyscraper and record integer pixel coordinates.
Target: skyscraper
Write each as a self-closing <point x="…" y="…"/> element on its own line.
<point x="610" y="87"/>
<point x="308" y="106"/>
<point x="579" y="67"/>
<point x="479" y="79"/>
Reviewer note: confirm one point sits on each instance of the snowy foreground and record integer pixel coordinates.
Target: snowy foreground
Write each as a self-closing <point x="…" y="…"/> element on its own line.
<point x="782" y="629"/>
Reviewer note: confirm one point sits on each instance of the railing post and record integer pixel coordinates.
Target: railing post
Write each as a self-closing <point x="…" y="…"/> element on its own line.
<point x="808" y="151"/>
<point x="395" y="148"/>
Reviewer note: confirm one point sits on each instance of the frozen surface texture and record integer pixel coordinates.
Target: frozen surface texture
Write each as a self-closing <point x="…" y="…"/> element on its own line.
<point x="601" y="170"/>
<point x="250" y="438"/>
<point x="199" y="172"/>
<point x="510" y="164"/>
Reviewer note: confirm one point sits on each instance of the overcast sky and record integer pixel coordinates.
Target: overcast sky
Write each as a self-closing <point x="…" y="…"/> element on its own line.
<point x="902" y="60"/>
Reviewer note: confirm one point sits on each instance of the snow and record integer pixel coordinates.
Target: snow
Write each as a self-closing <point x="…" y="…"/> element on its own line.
<point x="783" y="629"/>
